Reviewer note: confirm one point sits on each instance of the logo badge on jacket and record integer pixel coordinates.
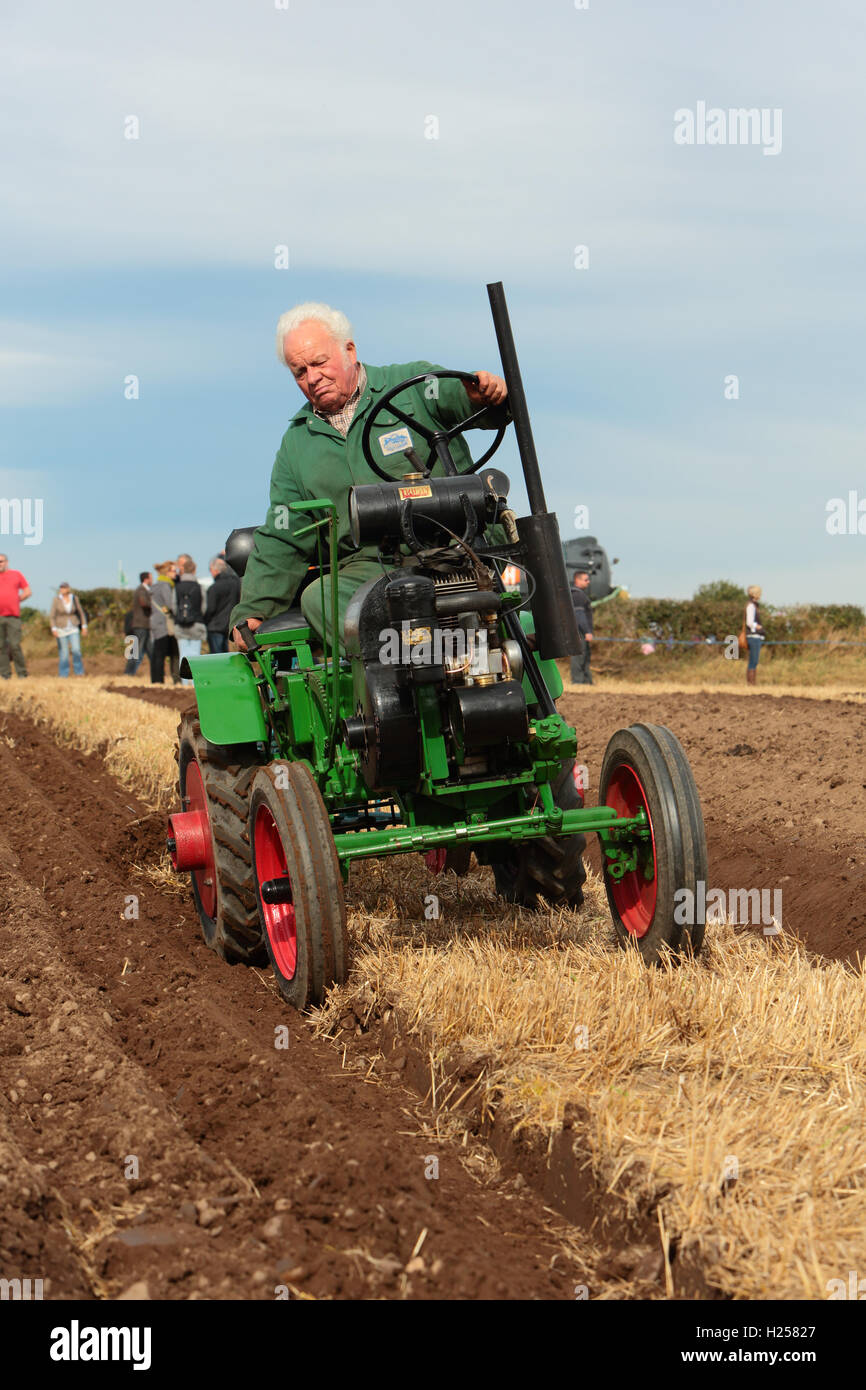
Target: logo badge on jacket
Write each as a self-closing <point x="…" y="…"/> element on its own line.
<point x="396" y="442"/>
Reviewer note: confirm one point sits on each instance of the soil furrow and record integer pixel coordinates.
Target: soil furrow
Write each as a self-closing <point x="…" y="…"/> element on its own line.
<point x="258" y="1165"/>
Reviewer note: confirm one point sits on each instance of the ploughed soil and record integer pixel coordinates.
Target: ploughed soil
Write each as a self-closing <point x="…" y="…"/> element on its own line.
<point x="153" y="1127"/>
<point x="782" y="783"/>
<point x="180" y="697"/>
<point x="155" y="1130"/>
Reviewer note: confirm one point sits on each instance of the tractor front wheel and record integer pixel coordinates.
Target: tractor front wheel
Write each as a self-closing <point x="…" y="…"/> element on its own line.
<point x="645" y="769"/>
<point x="215" y="786"/>
<point x="297" y="880"/>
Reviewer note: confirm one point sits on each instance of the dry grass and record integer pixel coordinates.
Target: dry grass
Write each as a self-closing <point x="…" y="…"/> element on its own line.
<point x="749" y="1064"/>
<point x="136" y="741"/>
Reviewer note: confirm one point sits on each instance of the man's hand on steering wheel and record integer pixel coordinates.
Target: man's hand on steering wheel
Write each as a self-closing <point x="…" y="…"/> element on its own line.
<point x="491" y="390"/>
<point x="484" y="391"/>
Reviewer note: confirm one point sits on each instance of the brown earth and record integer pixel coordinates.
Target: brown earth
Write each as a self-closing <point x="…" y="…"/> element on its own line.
<point x="124" y="1038"/>
<point x="180" y="697"/>
<point x="782" y="785"/>
<point x="126" y="1041"/>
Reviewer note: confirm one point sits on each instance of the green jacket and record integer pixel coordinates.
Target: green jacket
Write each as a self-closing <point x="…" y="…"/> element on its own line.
<point x="315" y="460"/>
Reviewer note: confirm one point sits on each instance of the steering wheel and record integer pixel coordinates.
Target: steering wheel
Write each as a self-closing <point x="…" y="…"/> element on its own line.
<point x="437" y="439"/>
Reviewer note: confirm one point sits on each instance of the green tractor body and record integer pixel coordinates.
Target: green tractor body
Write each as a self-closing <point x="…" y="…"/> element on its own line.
<point x="427" y="724"/>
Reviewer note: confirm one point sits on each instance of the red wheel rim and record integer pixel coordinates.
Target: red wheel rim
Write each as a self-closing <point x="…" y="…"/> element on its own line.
<point x="634" y="895"/>
<point x="279" y="918"/>
<point x="196" y="800"/>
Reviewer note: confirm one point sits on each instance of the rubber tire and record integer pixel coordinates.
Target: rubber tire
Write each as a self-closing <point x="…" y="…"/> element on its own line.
<point x="314" y="869"/>
<point x="656" y="755"/>
<point x="234" y="932"/>
<point x="551" y="867"/>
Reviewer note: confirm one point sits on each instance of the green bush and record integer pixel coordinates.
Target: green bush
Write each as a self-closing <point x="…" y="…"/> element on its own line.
<point x="694" y="620"/>
<point x="720" y="591"/>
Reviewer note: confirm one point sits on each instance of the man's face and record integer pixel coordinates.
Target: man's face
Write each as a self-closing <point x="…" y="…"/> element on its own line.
<point x="148" y="579"/>
<point x="581" y="581"/>
<point x="3" y="563"/>
<point x="325" y="370"/>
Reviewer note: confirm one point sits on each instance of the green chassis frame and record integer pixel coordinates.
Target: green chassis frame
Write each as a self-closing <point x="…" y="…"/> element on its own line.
<point x="304" y="708"/>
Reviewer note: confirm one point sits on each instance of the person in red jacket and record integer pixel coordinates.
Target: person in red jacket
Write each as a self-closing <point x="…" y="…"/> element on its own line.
<point x="13" y="588"/>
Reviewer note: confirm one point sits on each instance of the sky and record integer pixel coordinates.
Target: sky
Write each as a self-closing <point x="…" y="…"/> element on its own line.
<point x="695" y="374"/>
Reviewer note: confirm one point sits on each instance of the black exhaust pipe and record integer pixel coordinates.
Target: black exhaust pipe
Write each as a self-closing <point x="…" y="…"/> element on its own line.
<point x="556" y="628"/>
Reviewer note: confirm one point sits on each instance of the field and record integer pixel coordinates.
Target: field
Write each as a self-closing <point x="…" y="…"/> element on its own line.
<point x="497" y="1104"/>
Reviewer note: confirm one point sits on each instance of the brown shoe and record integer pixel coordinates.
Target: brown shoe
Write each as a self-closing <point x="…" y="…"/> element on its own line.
<point x="751" y="677"/>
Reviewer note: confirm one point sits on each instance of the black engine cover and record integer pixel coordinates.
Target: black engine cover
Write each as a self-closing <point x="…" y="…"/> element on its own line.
<point x="391" y="756"/>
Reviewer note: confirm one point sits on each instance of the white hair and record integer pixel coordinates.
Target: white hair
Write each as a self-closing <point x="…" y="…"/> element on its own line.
<point x="336" y="323"/>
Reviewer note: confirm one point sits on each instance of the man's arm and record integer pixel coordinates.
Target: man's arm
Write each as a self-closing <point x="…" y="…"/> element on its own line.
<point x="458" y="399"/>
<point x="278" y="560"/>
<point x="26" y="591"/>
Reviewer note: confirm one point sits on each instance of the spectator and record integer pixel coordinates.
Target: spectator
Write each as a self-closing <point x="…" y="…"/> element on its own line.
<point x="162" y="611"/>
<point x="13" y="588"/>
<point x="142" y="605"/>
<point x="580" y="672"/>
<point x="754" y="632"/>
<point x="189" y="619"/>
<point x="222" y="596"/>
<point x="68" y="625"/>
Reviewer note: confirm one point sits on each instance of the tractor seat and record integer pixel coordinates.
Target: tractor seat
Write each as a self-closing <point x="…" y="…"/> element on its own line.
<point x="291" y="619"/>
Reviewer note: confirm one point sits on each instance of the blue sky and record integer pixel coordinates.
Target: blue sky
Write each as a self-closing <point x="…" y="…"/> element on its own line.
<point x="307" y="127"/>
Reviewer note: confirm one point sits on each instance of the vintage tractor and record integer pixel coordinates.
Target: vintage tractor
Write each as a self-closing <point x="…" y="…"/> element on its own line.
<point x="434" y="732"/>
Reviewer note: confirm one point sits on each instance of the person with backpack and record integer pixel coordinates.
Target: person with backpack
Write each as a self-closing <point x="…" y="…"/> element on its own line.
<point x="68" y="624"/>
<point x="139" y="624"/>
<point x="162" y="610"/>
<point x="189" y="618"/>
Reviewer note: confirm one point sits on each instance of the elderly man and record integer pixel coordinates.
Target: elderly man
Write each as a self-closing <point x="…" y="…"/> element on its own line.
<point x="321" y="456"/>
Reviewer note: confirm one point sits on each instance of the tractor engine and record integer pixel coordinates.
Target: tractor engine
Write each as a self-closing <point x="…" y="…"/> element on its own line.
<point x="427" y="635"/>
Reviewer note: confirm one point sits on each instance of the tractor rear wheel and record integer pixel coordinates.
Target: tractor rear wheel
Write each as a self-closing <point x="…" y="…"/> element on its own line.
<point x="297" y="881"/>
<point x="551" y="867"/>
<point x="216" y="782"/>
<point x="645" y="768"/>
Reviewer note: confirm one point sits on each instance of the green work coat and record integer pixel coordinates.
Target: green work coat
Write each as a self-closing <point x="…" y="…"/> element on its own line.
<point x="315" y="460"/>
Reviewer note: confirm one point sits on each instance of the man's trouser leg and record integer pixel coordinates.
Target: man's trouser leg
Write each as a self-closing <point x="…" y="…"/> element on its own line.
<point x="580" y="673"/>
<point x="158" y="654"/>
<point x="139" y="650"/>
<point x="317" y="610"/>
<point x="5" y="668"/>
<point x="10" y="636"/>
